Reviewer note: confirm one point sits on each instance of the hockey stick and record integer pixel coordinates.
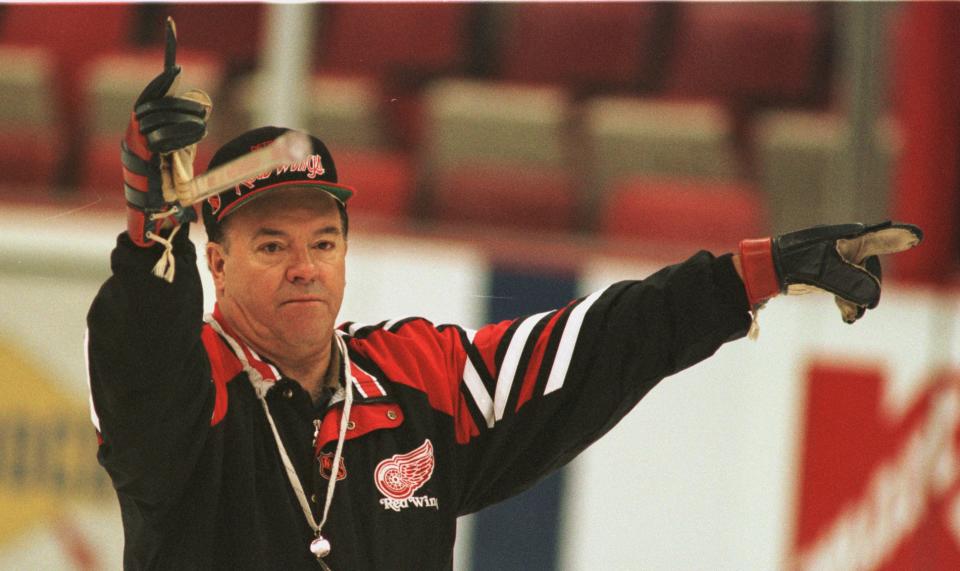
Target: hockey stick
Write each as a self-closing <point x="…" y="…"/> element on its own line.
<point x="290" y="147"/>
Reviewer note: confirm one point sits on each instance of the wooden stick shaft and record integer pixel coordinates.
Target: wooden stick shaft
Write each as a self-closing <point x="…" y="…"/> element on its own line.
<point x="290" y="147"/>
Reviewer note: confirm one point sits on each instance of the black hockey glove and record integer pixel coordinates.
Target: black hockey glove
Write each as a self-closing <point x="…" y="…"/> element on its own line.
<point x="840" y="259"/>
<point x="160" y="137"/>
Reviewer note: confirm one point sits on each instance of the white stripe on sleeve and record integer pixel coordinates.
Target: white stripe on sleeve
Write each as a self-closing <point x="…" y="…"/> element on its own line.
<point x="568" y="341"/>
<point x="86" y="357"/>
<point x="475" y="386"/>
<point x="511" y="360"/>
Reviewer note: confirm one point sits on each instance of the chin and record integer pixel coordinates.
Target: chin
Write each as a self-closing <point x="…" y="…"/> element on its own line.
<point x="307" y="327"/>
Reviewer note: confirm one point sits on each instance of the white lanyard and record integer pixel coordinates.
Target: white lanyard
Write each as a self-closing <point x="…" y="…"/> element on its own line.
<point x="320" y="546"/>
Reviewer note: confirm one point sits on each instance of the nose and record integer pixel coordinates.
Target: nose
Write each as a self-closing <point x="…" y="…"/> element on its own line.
<point x="303" y="267"/>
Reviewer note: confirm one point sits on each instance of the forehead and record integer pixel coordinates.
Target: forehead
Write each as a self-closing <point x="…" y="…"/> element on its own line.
<point x="294" y="206"/>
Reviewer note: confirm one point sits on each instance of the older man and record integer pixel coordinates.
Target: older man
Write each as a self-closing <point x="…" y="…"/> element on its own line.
<point x="263" y="437"/>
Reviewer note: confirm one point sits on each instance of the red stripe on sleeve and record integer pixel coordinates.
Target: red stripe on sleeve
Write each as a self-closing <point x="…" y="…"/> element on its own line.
<point x="487" y="340"/>
<point x="536" y="361"/>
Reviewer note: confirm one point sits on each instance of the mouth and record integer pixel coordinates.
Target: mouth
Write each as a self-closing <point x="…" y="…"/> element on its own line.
<point x="303" y="300"/>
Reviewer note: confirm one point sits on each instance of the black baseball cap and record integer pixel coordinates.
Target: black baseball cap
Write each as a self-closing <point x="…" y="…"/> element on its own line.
<point x="317" y="171"/>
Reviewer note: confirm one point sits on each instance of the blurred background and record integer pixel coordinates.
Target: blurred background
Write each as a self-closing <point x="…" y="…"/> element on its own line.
<point x="509" y="157"/>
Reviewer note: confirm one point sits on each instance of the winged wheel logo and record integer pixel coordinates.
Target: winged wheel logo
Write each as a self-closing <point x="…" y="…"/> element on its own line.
<point x="399" y="476"/>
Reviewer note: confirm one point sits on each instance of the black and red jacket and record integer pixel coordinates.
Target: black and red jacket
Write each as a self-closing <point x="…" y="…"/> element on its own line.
<point x="445" y="420"/>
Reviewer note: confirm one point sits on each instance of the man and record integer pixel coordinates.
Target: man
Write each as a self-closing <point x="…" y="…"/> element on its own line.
<point x="264" y="438"/>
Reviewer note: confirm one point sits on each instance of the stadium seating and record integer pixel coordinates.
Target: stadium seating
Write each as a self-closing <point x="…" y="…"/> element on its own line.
<point x="400" y="45"/>
<point x="384" y="181"/>
<point x="233" y="31"/>
<point x="73" y="34"/>
<point x="505" y="195"/>
<point x="800" y="158"/>
<point x="579" y="45"/>
<point x="469" y="120"/>
<point x="629" y="135"/>
<point x="765" y="52"/>
<point x="111" y="85"/>
<point x="29" y="138"/>
<point x="377" y="39"/>
<point x="470" y="124"/>
<point x="681" y="211"/>
<point x="344" y="111"/>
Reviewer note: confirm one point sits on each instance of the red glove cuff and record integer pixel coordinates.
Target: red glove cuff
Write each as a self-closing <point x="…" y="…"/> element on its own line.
<point x="138" y="225"/>
<point x="759" y="274"/>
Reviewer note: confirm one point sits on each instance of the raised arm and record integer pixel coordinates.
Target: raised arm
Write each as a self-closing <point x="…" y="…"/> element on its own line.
<point x="151" y="394"/>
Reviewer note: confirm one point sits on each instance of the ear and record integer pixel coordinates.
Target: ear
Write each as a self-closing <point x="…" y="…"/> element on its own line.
<point x="216" y="260"/>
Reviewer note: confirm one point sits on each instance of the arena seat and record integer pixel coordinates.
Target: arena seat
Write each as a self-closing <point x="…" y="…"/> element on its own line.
<point x="631" y="135"/>
<point x="111" y="84"/>
<point x="683" y="211"/>
<point x="113" y="81"/>
<point x="505" y="195"/>
<point x="74" y="35"/>
<point x="375" y="39"/>
<point x="29" y="138"/>
<point x="766" y="52"/>
<point x="402" y="46"/>
<point x="519" y="128"/>
<point x="467" y="120"/>
<point x="579" y="45"/>
<point x="234" y="31"/>
<point x="344" y="111"/>
<point x="800" y="160"/>
<point x="384" y="181"/>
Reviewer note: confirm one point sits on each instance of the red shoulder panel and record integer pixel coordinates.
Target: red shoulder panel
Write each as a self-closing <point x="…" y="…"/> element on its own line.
<point x="421" y="357"/>
<point x="224" y="366"/>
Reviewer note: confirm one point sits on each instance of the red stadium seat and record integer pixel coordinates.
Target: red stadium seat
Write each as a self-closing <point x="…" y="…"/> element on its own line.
<point x="29" y="160"/>
<point x="685" y="212"/>
<point x="70" y="30"/>
<point x="111" y="84"/>
<point x="384" y="182"/>
<point x="100" y="170"/>
<point x="507" y="195"/>
<point x="234" y="31"/>
<point x="579" y="45"/>
<point x="760" y="51"/>
<point x="402" y="45"/>
<point x="74" y="34"/>
<point x="30" y="140"/>
<point x="375" y="39"/>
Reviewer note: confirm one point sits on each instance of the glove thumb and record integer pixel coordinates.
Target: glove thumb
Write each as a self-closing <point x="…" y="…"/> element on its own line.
<point x="162" y="84"/>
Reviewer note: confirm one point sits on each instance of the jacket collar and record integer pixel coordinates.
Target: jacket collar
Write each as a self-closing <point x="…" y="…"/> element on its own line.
<point x="365" y="385"/>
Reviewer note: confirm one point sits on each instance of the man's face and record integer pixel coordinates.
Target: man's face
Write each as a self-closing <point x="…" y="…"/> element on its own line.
<point x="280" y="272"/>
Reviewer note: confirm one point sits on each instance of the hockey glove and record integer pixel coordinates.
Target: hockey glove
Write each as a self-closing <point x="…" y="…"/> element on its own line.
<point x="840" y="259"/>
<point x="158" y="150"/>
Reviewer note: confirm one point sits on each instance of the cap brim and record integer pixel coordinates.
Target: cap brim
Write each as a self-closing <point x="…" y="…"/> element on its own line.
<point x="340" y="192"/>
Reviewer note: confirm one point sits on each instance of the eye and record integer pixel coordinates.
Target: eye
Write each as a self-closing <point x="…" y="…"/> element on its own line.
<point x="270" y="247"/>
<point x="324" y="245"/>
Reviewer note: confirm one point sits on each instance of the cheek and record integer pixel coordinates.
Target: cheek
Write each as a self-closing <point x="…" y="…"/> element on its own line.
<point x="338" y="278"/>
<point x="246" y="282"/>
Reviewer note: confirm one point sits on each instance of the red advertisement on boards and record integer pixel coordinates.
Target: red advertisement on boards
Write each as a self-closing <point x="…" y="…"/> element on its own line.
<point x="877" y="490"/>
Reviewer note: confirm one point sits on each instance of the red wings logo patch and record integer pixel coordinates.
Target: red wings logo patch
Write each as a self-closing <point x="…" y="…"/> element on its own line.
<point x="399" y="476"/>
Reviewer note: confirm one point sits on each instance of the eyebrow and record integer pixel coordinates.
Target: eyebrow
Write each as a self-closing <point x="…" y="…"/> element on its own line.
<point x="267" y="231"/>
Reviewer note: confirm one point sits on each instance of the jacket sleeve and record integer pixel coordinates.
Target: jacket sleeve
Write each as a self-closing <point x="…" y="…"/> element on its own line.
<point x="149" y="376"/>
<point x="540" y="389"/>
